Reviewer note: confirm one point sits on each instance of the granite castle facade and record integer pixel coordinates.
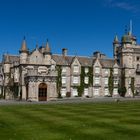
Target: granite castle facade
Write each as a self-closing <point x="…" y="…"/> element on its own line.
<point x="40" y="75"/>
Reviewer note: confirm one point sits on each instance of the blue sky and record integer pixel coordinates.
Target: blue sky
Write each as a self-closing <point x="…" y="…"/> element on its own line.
<point x="81" y="26"/>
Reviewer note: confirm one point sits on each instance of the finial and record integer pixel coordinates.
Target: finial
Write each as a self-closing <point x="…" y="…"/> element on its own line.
<point x="126" y="29"/>
<point x="116" y="40"/>
<point x="131" y="27"/>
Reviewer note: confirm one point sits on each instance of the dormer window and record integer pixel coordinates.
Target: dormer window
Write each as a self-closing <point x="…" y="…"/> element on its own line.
<point x="97" y="70"/>
<point x="64" y="70"/>
<point x="115" y="71"/>
<point x="106" y="71"/>
<point x="76" y="69"/>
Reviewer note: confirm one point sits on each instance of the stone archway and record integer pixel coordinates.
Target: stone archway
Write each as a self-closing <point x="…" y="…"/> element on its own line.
<point x="42" y="92"/>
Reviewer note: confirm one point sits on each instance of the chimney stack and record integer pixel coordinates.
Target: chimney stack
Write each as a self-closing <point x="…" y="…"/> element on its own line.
<point x="64" y="52"/>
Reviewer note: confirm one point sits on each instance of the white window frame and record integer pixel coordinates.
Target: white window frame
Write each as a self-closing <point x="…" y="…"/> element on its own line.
<point x="106" y="80"/>
<point x="115" y="71"/>
<point x="106" y="91"/>
<point x="63" y="92"/>
<point x="106" y="71"/>
<point x="86" y="70"/>
<point x="86" y="80"/>
<point x="75" y="68"/>
<point x="97" y="80"/>
<point x="86" y="92"/>
<point x="75" y="79"/>
<point x="115" y="91"/>
<point x="64" y="69"/>
<point x="97" y="70"/>
<point x="64" y="79"/>
<point x="74" y="92"/>
<point x="96" y="91"/>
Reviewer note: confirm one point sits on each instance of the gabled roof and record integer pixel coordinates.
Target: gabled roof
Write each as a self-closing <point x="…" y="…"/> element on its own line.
<point x="107" y="63"/>
<point x="12" y="58"/>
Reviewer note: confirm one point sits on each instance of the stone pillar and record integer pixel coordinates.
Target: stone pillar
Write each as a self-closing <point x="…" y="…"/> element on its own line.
<point x="23" y="92"/>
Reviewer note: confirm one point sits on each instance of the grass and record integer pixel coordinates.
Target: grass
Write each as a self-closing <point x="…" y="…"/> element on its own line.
<point x="87" y="121"/>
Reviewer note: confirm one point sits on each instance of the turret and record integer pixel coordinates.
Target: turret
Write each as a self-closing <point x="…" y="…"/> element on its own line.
<point x="6" y="64"/>
<point x="23" y="52"/>
<point x="116" y="46"/>
<point x="47" y="53"/>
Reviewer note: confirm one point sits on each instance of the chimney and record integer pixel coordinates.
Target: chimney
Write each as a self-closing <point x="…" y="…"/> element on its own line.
<point x="97" y="54"/>
<point x="64" y="52"/>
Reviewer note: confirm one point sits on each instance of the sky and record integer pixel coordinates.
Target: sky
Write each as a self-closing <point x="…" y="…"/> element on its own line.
<point x="81" y="26"/>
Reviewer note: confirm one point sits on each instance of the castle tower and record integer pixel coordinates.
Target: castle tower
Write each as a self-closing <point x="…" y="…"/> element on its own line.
<point x="23" y="52"/>
<point x="6" y="64"/>
<point x="116" y="46"/>
<point x="47" y="53"/>
<point x="127" y="51"/>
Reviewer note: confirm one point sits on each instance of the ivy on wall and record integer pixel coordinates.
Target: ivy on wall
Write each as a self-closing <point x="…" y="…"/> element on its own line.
<point x="132" y="86"/>
<point x="58" y="80"/>
<point x="122" y="89"/>
<point x="111" y="82"/>
<point x="83" y="85"/>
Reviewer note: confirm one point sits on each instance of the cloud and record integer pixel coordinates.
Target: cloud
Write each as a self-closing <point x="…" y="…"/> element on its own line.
<point x="125" y="5"/>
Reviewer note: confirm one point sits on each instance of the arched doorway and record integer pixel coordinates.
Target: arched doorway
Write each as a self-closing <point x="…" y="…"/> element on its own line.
<point x="42" y="92"/>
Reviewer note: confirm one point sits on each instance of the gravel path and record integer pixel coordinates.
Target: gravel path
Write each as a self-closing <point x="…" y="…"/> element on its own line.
<point x="70" y="100"/>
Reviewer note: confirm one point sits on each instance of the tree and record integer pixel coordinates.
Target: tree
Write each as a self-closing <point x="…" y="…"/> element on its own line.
<point x="122" y="89"/>
<point x="132" y="86"/>
<point x="110" y="82"/>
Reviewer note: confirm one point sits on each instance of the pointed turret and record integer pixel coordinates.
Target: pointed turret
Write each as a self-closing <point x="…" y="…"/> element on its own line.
<point x="24" y="47"/>
<point x="116" y="40"/>
<point x="7" y="59"/>
<point x="47" y="48"/>
<point x="116" y="45"/>
<point x="23" y="52"/>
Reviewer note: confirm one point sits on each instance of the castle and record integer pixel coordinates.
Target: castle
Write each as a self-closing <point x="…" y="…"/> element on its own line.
<point x="40" y="75"/>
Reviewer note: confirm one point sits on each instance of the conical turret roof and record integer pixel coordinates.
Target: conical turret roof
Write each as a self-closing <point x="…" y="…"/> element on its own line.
<point x="47" y="48"/>
<point x="7" y="59"/>
<point x="23" y="46"/>
<point x="116" y="40"/>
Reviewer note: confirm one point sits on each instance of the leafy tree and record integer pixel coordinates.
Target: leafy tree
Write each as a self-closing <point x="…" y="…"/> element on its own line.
<point x="111" y="82"/>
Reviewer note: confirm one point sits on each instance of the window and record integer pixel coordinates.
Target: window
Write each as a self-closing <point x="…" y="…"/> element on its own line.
<point x="86" y="80"/>
<point x="106" y="91"/>
<point x="86" y="91"/>
<point x="138" y="66"/>
<point x="106" y="71"/>
<point x="63" y="69"/>
<point x="75" y="80"/>
<point x="76" y="69"/>
<point x="96" y="91"/>
<point x="63" y="92"/>
<point x="138" y="58"/>
<point x="74" y="92"/>
<point x="64" y="80"/>
<point x="115" y="71"/>
<point x="115" y="81"/>
<point x="106" y="80"/>
<point x="115" y="91"/>
<point x="86" y="70"/>
<point x="97" y="80"/>
<point x="97" y="70"/>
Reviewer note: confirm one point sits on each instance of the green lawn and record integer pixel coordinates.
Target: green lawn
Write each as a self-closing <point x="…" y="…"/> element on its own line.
<point x="87" y="121"/>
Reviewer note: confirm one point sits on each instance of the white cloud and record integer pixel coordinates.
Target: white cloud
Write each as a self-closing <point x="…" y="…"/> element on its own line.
<point x="125" y="5"/>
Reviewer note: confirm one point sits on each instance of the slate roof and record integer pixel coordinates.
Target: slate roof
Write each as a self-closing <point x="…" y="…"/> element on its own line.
<point x="12" y="58"/>
<point x="107" y="63"/>
<point x="67" y="60"/>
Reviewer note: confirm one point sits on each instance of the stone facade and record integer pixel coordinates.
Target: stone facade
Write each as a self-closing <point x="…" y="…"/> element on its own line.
<point x="40" y="75"/>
